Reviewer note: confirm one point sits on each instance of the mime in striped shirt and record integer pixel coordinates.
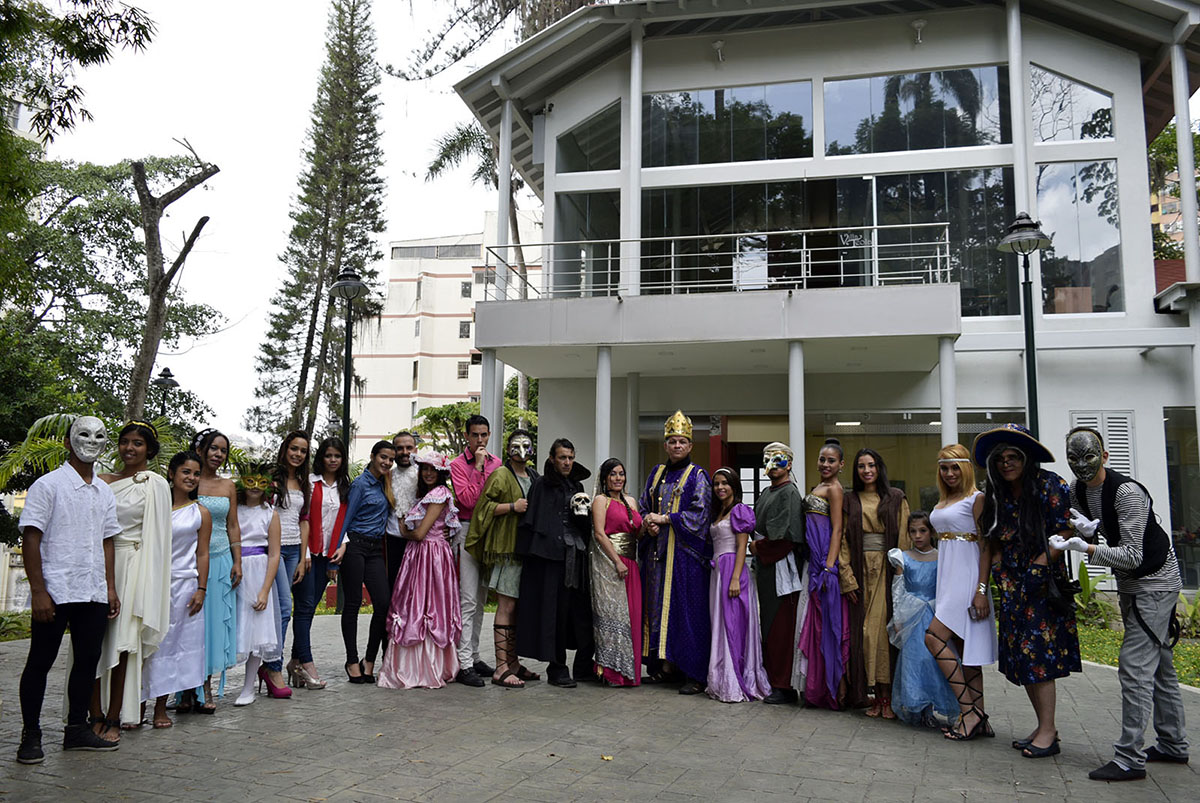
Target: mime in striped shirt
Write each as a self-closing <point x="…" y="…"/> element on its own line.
<point x="1135" y="546"/>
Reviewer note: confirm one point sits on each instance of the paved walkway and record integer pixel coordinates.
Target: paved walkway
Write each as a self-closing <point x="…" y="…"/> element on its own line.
<point x="361" y="743"/>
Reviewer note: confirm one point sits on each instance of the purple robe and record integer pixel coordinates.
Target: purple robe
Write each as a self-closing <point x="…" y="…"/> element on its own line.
<point x="679" y="621"/>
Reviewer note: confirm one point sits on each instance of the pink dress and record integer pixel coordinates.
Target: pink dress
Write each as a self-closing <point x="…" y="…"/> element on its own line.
<point x="617" y="604"/>
<point x="424" y="620"/>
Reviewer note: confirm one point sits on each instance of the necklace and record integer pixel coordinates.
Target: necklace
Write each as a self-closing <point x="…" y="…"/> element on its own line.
<point x="929" y="551"/>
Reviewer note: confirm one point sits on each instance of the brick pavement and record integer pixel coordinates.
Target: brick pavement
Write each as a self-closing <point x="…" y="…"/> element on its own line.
<point x="361" y="743"/>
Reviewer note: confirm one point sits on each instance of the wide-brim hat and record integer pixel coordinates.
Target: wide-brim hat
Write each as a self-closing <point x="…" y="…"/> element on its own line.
<point x="1013" y="435"/>
<point x="433" y="458"/>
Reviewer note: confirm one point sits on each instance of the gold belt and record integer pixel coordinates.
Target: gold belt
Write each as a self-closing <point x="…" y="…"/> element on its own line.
<point x="958" y="536"/>
<point x="625" y="544"/>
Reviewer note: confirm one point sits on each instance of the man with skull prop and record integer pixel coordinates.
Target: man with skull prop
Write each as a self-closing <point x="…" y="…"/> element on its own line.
<point x="1106" y="503"/>
<point x="555" y="614"/>
<point x="67" y="527"/>
<point x="492" y="541"/>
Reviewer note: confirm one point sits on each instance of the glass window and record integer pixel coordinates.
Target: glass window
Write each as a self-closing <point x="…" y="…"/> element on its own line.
<point x="417" y="328"/>
<point x="1078" y="205"/>
<point x="1183" y="484"/>
<point x="416" y="373"/>
<point x="1065" y="110"/>
<point x="588" y="226"/>
<point x="740" y="124"/>
<point x="594" y="144"/>
<point x="465" y="290"/>
<point x="414" y="252"/>
<point x="917" y="111"/>
<point x="464" y="329"/>
<point x="460" y="251"/>
<point x="464" y="369"/>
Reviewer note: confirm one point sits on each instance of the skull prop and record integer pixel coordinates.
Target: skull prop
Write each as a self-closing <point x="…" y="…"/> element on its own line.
<point x="520" y="449"/>
<point x="1085" y="454"/>
<point x="87" y="437"/>
<point x="580" y="503"/>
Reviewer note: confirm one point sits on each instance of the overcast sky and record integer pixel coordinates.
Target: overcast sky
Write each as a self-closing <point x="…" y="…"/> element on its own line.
<point x="238" y="80"/>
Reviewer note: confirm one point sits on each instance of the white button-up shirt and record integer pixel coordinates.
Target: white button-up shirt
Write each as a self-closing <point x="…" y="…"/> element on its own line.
<point x="75" y="518"/>
<point x="404" y="488"/>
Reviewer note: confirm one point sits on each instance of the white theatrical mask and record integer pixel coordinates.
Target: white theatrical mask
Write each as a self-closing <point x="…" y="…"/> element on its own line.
<point x="88" y="438"/>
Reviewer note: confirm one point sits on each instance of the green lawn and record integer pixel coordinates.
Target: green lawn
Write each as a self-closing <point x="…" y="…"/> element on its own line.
<point x="1101" y="645"/>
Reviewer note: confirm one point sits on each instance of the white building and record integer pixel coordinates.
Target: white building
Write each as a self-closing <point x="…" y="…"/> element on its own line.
<point x="420" y="352"/>
<point x="783" y="218"/>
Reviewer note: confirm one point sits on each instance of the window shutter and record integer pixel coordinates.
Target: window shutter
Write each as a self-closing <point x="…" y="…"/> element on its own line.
<point x="1116" y="427"/>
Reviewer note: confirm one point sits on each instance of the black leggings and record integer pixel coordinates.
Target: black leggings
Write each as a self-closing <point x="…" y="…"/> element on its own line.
<point x="363" y="564"/>
<point x="87" y="621"/>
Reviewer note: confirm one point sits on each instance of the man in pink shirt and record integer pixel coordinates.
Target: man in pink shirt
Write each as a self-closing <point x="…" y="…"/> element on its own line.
<point x="468" y="472"/>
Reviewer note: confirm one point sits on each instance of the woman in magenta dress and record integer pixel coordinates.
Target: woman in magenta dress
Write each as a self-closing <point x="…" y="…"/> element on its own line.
<point x="825" y="636"/>
<point x="424" y="621"/>
<point x="735" y="665"/>
<point x="616" y="585"/>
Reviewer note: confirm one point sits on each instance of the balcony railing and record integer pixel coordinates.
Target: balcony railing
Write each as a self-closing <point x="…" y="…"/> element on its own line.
<point x="864" y="256"/>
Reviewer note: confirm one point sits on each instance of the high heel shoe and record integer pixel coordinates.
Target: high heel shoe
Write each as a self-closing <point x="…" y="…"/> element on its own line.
<point x="298" y="677"/>
<point x="278" y="692"/>
<point x="367" y="677"/>
<point x="355" y="678"/>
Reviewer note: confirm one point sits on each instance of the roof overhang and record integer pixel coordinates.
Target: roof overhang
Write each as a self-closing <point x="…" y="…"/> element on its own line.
<point x="530" y="73"/>
<point x="1179" y="297"/>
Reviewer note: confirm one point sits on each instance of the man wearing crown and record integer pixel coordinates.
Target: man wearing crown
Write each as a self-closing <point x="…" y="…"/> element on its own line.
<point x="675" y="560"/>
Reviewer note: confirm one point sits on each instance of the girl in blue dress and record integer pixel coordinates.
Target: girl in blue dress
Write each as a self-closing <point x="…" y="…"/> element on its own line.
<point x="921" y="696"/>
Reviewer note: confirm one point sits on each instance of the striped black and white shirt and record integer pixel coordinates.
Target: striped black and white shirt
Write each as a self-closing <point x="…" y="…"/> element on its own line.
<point x="1133" y="511"/>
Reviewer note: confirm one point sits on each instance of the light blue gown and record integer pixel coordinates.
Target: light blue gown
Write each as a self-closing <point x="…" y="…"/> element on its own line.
<point x="220" y="600"/>
<point x="920" y="693"/>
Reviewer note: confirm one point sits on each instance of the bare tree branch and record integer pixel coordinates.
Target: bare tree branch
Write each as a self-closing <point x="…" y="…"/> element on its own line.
<point x="177" y="265"/>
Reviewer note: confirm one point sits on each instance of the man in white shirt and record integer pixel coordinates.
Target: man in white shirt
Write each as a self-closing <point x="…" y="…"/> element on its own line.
<point x="404" y="488"/>
<point x="67" y="526"/>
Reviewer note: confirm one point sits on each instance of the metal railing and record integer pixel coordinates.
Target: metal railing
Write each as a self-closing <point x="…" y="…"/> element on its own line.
<point x="863" y="256"/>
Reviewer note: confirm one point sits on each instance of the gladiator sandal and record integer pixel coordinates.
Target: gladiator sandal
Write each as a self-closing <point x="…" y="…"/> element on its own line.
<point x="966" y="695"/>
<point x="506" y="649"/>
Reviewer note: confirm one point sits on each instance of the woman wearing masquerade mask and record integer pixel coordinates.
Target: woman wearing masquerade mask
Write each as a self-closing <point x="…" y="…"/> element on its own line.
<point x="492" y="539"/>
<point x="1038" y="641"/>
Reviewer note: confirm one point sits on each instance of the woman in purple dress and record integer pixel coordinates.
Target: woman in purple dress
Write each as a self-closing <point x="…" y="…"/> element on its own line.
<point x="825" y="637"/>
<point x="735" y="668"/>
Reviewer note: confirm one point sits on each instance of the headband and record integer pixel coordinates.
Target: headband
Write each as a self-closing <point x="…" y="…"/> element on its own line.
<point x="199" y="437"/>
<point x="150" y="427"/>
<point x="954" y="460"/>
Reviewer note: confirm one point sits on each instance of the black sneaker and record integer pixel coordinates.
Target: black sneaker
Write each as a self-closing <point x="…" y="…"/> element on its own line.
<point x="1112" y="771"/>
<point x="30" y="751"/>
<point x="81" y="737"/>
<point x="1154" y="754"/>
<point x="482" y="669"/>
<point x="469" y="677"/>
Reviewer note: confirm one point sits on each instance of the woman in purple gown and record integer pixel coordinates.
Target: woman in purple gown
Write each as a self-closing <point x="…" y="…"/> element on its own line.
<point x="825" y="636"/>
<point x="735" y="668"/>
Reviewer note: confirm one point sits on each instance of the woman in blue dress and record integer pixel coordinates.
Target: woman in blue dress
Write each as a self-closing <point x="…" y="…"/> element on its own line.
<point x="921" y="695"/>
<point x="218" y="495"/>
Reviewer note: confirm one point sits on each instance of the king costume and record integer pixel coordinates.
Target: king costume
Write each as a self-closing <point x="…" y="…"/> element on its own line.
<point x="675" y="564"/>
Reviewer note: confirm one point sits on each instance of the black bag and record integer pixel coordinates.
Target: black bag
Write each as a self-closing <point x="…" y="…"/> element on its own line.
<point x="1060" y="591"/>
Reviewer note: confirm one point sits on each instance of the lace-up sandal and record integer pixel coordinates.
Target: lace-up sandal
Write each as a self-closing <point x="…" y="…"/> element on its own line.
<point x="506" y="648"/>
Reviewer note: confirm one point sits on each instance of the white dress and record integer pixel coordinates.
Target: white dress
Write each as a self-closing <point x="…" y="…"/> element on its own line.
<point x="957" y="579"/>
<point x="258" y="632"/>
<point x="179" y="664"/>
<point x="142" y="573"/>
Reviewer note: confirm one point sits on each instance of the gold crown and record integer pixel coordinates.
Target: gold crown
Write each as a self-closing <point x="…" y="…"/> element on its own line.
<point x="678" y="424"/>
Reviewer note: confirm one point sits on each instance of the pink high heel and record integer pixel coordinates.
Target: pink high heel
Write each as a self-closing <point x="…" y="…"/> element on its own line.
<point x="278" y="692"/>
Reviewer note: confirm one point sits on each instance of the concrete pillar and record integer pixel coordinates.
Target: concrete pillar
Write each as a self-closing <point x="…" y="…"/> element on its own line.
<point x="949" y="390"/>
<point x="1017" y="90"/>
<point x="1187" y="163"/>
<point x="633" y="451"/>
<point x="631" y="179"/>
<point x="796" y="410"/>
<point x="487" y="387"/>
<point x="504" y="197"/>
<point x="496" y="417"/>
<point x="603" y="406"/>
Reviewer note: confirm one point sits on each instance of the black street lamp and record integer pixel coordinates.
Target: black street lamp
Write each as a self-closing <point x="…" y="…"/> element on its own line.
<point x="347" y="287"/>
<point x="1024" y="237"/>
<point x="165" y="381"/>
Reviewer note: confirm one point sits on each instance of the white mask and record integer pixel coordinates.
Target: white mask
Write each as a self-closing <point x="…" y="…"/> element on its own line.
<point x="88" y="438"/>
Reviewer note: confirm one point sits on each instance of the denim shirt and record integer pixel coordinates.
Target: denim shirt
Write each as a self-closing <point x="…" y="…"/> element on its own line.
<point x="368" y="508"/>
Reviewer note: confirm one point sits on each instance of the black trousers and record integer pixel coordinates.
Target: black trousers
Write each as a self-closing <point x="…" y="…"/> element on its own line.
<point x="363" y="564"/>
<point x="395" y="556"/>
<point x="87" y="621"/>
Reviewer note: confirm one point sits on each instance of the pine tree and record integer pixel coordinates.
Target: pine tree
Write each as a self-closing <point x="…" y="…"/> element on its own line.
<point x="336" y="219"/>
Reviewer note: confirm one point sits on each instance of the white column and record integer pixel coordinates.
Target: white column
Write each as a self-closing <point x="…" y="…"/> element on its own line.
<point x="504" y="196"/>
<point x="487" y="387"/>
<point x="949" y="391"/>
<point x="632" y="442"/>
<point x="1187" y="164"/>
<point x="631" y="183"/>
<point x="603" y="405"/>
<point x="497" y="415"/>
<point x="796" y="410"/>
<point x="1017" y="109"/>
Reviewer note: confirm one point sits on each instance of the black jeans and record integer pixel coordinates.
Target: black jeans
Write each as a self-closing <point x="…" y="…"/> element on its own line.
<point x="88" y="622"/>
<point x="395" y="557"/>
<point x="363" y="564"/>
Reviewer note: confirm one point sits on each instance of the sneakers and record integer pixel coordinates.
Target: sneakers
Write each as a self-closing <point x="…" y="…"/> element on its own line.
<point x="81" y="737"/>
<point x="30" y="751"/>
<point x="469" y="677"/>
<point x="1112" y="771"/>
<point x="1154" y="754"/>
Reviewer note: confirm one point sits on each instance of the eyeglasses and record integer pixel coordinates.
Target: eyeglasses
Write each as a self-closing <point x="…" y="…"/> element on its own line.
<point x="1010" y="460"/>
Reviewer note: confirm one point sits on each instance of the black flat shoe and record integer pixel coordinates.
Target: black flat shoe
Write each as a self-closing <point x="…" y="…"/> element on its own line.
<point x="469" y="677"/>
<point x="1041" y="752"/>
<point x="776" y="697"/>
<point x="692" y="687"/>
<point x="481" y="668"/>
<point x="355" y="678"/>
<point x="1154" y="754"/>
<point x="1114" y="772"/>
<point x="563" y="682"/>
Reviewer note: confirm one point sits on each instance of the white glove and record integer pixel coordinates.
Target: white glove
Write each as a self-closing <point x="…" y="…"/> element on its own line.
<point x="1074" y="544"/>
<point x="1085" y="527"/>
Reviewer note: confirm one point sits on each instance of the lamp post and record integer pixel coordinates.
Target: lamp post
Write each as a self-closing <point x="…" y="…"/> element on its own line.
<point x="347" y="287"/>
<point x="1024" y="237"/>
<point x="165" y="381"/>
